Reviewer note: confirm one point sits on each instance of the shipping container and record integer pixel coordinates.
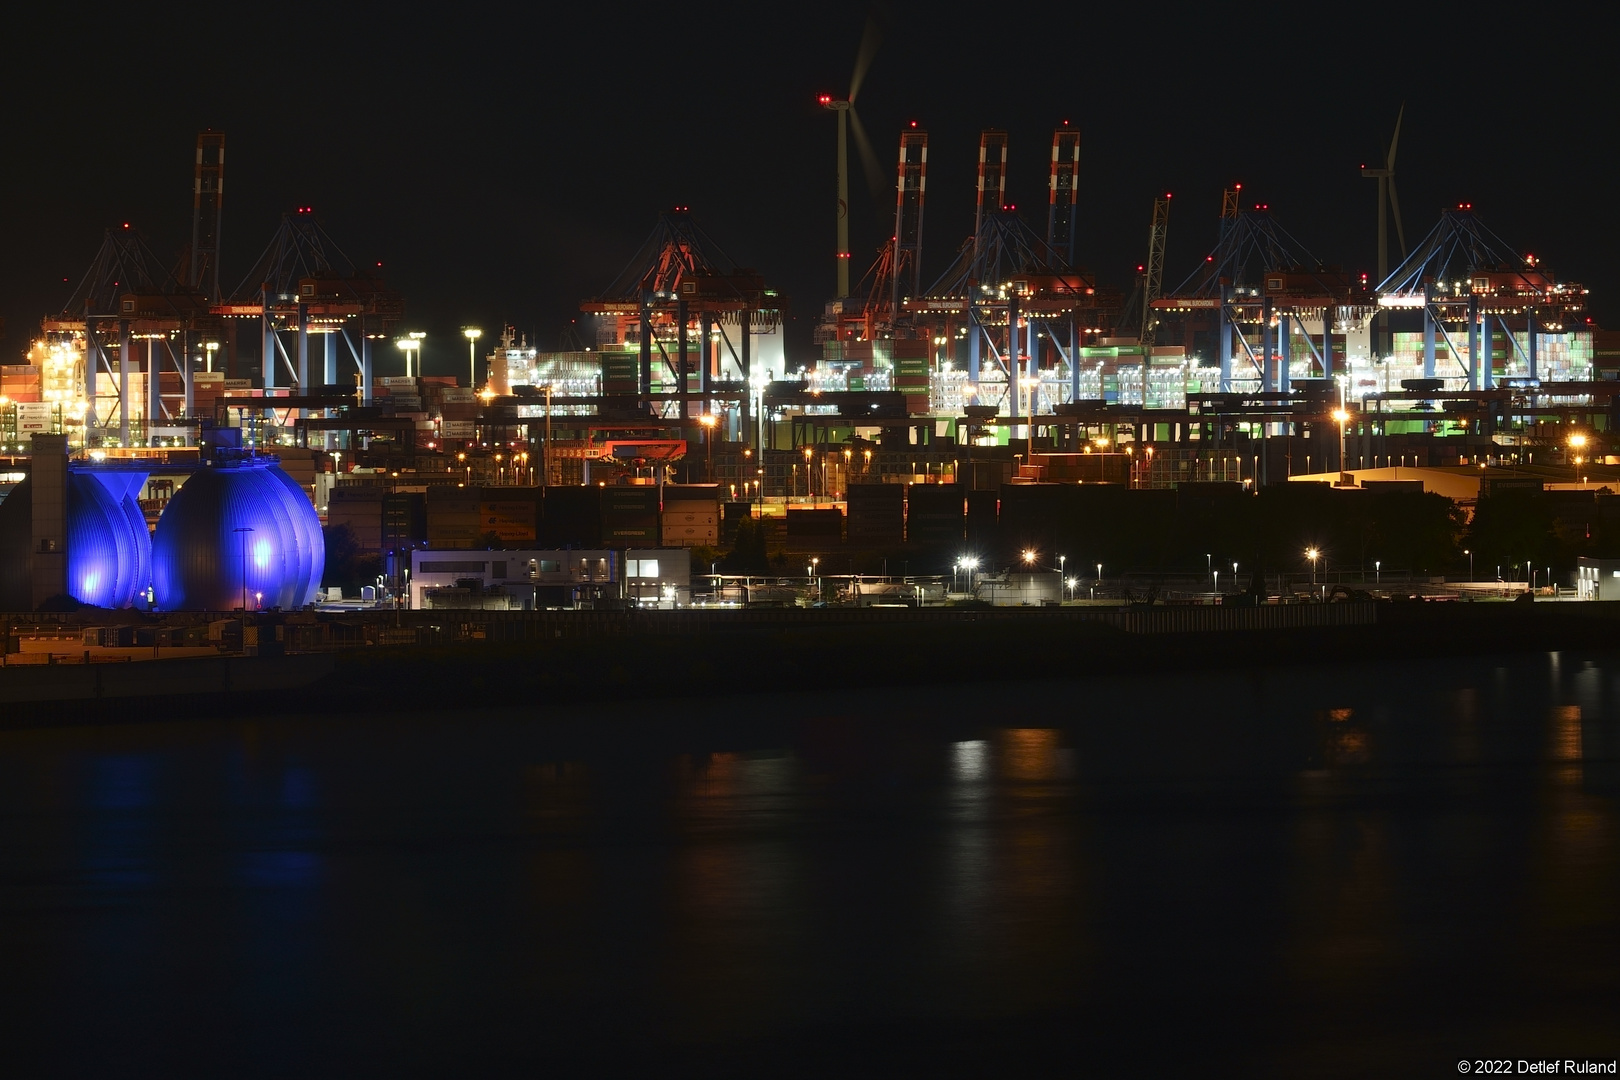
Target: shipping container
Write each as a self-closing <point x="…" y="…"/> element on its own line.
<point x="981" y="520"/>
<point x="571" y="517"/>
<point x="935" y="514"/>
<point x="689" y="535"/>
<point x="703" y="493"/>
<point x="814" y="529"/>
<point x="706" y="517"/>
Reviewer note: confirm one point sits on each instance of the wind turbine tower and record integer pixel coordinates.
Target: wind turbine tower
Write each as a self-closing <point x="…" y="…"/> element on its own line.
<point x="847" y="117"/>
<point x="1388" y="202"/>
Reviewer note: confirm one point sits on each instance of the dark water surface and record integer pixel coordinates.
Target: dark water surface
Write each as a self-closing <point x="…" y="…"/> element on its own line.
<point x="1350" y="870"/>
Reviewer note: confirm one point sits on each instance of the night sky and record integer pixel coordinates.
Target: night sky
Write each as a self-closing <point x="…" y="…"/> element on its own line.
<point x="504" y="165"/>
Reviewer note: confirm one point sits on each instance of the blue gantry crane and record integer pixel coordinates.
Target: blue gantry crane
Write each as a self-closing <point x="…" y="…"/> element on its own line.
<point x="1464" y="276"/>
<point x="1260" y="276"/>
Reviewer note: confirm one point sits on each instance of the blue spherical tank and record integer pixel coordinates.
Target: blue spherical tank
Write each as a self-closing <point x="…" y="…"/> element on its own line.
<point x="241" y="535"/>
<point x="109" y="549"/>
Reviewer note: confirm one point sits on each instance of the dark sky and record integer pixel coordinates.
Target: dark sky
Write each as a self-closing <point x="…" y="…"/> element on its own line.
<point x="504" y="164"/>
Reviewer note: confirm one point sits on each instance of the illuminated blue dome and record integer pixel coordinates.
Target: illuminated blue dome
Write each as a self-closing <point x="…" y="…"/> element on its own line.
<point x="239" y="535"/>
<point x="109" y="550"/>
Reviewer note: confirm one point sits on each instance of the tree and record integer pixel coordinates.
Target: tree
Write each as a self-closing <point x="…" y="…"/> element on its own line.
<point x="748" y="555"/>
<point x="347" y="564"/>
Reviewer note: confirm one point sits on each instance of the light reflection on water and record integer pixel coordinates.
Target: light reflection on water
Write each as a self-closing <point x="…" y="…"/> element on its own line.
<point x="1283" y="860"/>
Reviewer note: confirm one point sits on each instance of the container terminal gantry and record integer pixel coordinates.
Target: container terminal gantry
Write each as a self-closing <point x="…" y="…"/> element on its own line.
<point x="1260" y="277"/>
<point x="1022" y="307"/>
<point x="1467" y="280"/>
<point x="303" y="285"/>
<point x="707" y="326"/>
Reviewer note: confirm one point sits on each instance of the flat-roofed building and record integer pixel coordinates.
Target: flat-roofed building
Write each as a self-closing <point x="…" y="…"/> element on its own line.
<point x="529" y="578"/>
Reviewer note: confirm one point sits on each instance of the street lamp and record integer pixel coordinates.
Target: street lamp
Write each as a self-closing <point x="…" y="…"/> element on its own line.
<point x="708" y="422"/>
<point x="1312" y="554"/>
<point x="1470" y="555"/>
<point x="1342" y="417"/>
<point x="1378" y="571"/>
<point x="1577" y="442"/>
<point x="409" y="346"/>
<point x="472" y="334"/>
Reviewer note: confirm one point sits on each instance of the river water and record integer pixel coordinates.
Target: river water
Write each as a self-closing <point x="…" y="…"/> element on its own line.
<point x="1375" y="869"/>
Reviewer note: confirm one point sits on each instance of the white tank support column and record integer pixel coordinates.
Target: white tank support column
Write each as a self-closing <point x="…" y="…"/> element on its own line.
<point x="92" y="359"/>
<point x="1531" y="332"/>
<point x="267" y="337"/>
<point x="1285" y="352"/>
<point x="126" y="361"/>
<point x="303" y="353"/>
<point x="154" y="383"/>
<point x="330" y="378"/>
<point x="185" y="375"/>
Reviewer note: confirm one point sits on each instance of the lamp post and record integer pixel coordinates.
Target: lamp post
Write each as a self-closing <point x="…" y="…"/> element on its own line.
<point x="1312" y="554"/>
<point x="472" y="334"/>
<point x="708" y="421"/>
<point x="409" y="346"/>
<point x="1061" y="560"/>
<point x="809" y="487"/>
<point x="545" y="448"/>
<point x="1470" y="554"/>
<point x="1343" y="417"/>
<point x="1378" y="571"/>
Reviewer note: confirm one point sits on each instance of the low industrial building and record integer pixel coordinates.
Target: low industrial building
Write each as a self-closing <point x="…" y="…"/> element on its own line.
<point x="1597" y="579"/>
<point x="567" y="578"/>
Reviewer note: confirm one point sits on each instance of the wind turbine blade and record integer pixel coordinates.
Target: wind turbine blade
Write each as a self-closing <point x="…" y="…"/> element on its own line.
<point x="869" y="159"/>
<point x="1395" y="208"/>
<point x="871" y="38"/>
<point x="1389" y="161"/>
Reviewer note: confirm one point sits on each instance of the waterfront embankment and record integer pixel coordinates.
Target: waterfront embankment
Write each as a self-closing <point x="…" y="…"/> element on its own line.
<point x="561" y="661"/>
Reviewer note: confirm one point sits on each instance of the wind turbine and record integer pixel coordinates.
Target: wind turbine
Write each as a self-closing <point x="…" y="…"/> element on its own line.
<point x="848" y="117"/>
<point x="1387" y="200"/>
